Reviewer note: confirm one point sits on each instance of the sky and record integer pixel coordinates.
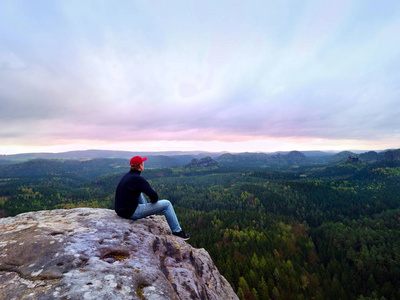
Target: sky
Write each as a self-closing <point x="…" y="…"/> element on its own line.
<point x="237" y="76"/>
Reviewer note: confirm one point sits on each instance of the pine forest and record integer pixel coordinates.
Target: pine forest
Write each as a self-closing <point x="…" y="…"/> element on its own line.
<point x="293" y="230"/>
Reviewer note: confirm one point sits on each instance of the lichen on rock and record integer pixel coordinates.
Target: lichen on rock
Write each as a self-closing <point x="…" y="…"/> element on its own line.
<point x="88" y="253"/>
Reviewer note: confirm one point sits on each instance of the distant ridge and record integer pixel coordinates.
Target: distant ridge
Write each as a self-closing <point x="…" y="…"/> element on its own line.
<point x="98" y="153"/>
<point x="94" y="153"/>
<point x="167" y="159"/>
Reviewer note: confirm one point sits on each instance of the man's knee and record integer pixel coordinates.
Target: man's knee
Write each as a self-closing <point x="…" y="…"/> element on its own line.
<point x="167" y="202"/>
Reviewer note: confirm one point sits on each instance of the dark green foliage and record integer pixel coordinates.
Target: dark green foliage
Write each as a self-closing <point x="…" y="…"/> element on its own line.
<point x="305" y="232"/>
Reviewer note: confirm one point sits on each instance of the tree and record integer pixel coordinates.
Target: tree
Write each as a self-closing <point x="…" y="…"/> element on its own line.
<point x="275" y="293"/>
<point x="240" y="294"/>
<point x="263" y="289"/>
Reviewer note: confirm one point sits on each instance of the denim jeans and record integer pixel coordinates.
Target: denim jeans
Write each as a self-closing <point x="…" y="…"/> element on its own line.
<point x="164" y="207"/>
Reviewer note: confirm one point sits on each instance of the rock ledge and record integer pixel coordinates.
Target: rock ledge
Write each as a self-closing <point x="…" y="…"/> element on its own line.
<point x="88" y="253"/>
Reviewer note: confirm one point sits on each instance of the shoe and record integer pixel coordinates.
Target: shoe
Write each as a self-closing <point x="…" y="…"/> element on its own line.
<point x="182" y="235"/>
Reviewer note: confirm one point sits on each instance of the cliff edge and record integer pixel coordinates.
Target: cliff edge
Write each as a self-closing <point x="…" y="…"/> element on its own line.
<point x="88" y="253"/>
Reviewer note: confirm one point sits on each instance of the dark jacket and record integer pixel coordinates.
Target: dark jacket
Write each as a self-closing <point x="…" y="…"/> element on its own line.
<point x="128" y="191"/>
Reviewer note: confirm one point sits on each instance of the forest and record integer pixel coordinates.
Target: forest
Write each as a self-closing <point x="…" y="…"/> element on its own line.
<point x="287" y="231"/>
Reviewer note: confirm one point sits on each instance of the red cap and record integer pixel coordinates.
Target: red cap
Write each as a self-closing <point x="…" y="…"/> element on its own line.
<point x="137" y="160"/>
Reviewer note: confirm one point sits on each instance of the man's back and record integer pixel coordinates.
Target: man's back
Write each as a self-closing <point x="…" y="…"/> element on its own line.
<point x="128" y="191"/>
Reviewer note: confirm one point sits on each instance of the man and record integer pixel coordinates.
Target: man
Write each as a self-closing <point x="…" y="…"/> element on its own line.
<point x="130" y="203"/>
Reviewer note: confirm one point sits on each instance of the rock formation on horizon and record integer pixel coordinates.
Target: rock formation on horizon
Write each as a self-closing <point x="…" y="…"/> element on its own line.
<point x="88" y="253"/>
<point x="206" y="162"/>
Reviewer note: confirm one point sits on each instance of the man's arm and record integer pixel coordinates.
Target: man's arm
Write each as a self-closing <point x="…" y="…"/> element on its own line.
<point x="148" y="190"/>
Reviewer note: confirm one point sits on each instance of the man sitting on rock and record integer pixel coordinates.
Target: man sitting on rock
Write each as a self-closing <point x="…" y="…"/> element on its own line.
<point x="130" y="203"/>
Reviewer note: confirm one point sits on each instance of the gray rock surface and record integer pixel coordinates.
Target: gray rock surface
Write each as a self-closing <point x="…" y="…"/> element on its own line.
<point x="88" y="253"/>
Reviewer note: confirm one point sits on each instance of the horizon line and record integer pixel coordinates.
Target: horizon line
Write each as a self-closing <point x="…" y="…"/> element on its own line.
<point x="195" y="151"/>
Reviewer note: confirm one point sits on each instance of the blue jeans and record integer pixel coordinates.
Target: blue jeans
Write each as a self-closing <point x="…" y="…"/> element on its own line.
<point x="164" y="207"/>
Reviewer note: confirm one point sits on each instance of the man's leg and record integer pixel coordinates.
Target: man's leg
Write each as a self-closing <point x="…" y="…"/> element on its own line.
<point x="142" y="199"/>
<point x="161" y="206"/>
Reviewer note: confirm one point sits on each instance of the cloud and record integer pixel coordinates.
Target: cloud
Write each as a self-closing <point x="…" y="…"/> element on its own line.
<point x="184" y="72"/>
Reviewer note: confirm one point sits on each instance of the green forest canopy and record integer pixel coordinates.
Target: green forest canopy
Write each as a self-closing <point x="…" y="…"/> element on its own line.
<point x="298" y="232"/>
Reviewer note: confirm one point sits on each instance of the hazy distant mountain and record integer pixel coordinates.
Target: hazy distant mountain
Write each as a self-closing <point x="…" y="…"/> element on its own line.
<point x="318" y="153"/>
<point x="243" y="159"/>
<point x="263" y="159"/>
<point x="340" y="157"/>
<point x="180" y="157"/>
<point x="295" y="157"/>
<point x="55" y="167"/>
<point x="370" y="156"/>
<point x="177" y="159"/>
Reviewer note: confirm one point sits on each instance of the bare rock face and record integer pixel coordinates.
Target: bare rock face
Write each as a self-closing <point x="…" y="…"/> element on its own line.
<point x="90" y="253"/>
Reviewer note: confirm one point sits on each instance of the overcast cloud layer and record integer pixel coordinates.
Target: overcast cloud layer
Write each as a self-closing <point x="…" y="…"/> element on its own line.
<point x="265" y="75"/>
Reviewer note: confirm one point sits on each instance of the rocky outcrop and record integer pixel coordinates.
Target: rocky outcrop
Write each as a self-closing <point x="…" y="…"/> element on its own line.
<point x="94" y="254"/>
<point x="392" y="155"/>
<point x="352" y="158"/>
<point x="206" y="162"/>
